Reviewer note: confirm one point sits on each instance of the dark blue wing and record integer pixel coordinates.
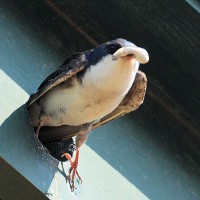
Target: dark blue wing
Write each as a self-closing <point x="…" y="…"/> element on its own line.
<point x="73" y="65"/>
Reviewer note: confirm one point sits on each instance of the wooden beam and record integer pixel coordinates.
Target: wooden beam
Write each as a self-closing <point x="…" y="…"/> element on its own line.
<point x="14" y="186"/>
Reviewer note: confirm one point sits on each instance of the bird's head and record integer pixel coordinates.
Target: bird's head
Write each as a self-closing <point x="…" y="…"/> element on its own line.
<point x="118" y="49"/>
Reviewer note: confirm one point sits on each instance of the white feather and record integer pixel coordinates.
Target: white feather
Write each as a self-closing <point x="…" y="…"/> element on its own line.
<point x="103" y="88"/>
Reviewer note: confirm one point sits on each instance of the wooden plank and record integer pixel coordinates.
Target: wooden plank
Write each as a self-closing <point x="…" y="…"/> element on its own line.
<point x="146" y="154"/>
<point x="14" y="186"/>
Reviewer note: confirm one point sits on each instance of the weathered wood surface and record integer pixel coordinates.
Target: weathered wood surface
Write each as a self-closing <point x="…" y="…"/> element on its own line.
<point x="149" y="154"/>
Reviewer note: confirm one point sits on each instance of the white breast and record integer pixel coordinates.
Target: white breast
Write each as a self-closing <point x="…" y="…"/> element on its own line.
<point x="103" y="88"/>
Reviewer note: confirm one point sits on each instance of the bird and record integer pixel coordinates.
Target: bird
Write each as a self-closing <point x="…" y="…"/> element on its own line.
<point x="88" y="90"/>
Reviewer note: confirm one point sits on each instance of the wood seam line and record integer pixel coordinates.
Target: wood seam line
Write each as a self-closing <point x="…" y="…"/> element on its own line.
<point x="71" y="23"/>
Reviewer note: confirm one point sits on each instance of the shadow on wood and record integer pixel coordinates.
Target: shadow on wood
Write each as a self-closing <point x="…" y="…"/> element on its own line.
<point x="21" y="149"/>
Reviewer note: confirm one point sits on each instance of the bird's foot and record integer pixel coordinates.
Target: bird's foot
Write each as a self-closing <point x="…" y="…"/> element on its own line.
<point x="41" y="122"/>
<point x="73" y="169"/>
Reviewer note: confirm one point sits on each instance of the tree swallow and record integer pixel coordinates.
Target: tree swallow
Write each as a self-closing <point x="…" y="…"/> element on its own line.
<point x="88" y="90"/>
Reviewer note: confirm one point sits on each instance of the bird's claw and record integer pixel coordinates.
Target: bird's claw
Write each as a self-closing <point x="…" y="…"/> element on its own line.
<point x="73" y="170"/>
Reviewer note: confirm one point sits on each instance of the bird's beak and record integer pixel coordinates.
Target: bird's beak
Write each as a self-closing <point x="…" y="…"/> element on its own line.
<point x="140" y="54"/>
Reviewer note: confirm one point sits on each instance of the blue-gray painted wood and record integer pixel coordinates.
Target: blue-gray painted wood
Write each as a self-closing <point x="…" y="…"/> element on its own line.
<point x="12" y="182"/>
<point x="145" y="155"/>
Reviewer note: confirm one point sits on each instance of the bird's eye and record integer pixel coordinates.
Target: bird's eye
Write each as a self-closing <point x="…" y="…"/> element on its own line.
<point x="113" y="48"/>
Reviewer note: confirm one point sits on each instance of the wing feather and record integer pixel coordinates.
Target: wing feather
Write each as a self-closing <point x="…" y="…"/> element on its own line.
<point x="69" y="68"/>
<point x="131" y="102"/>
